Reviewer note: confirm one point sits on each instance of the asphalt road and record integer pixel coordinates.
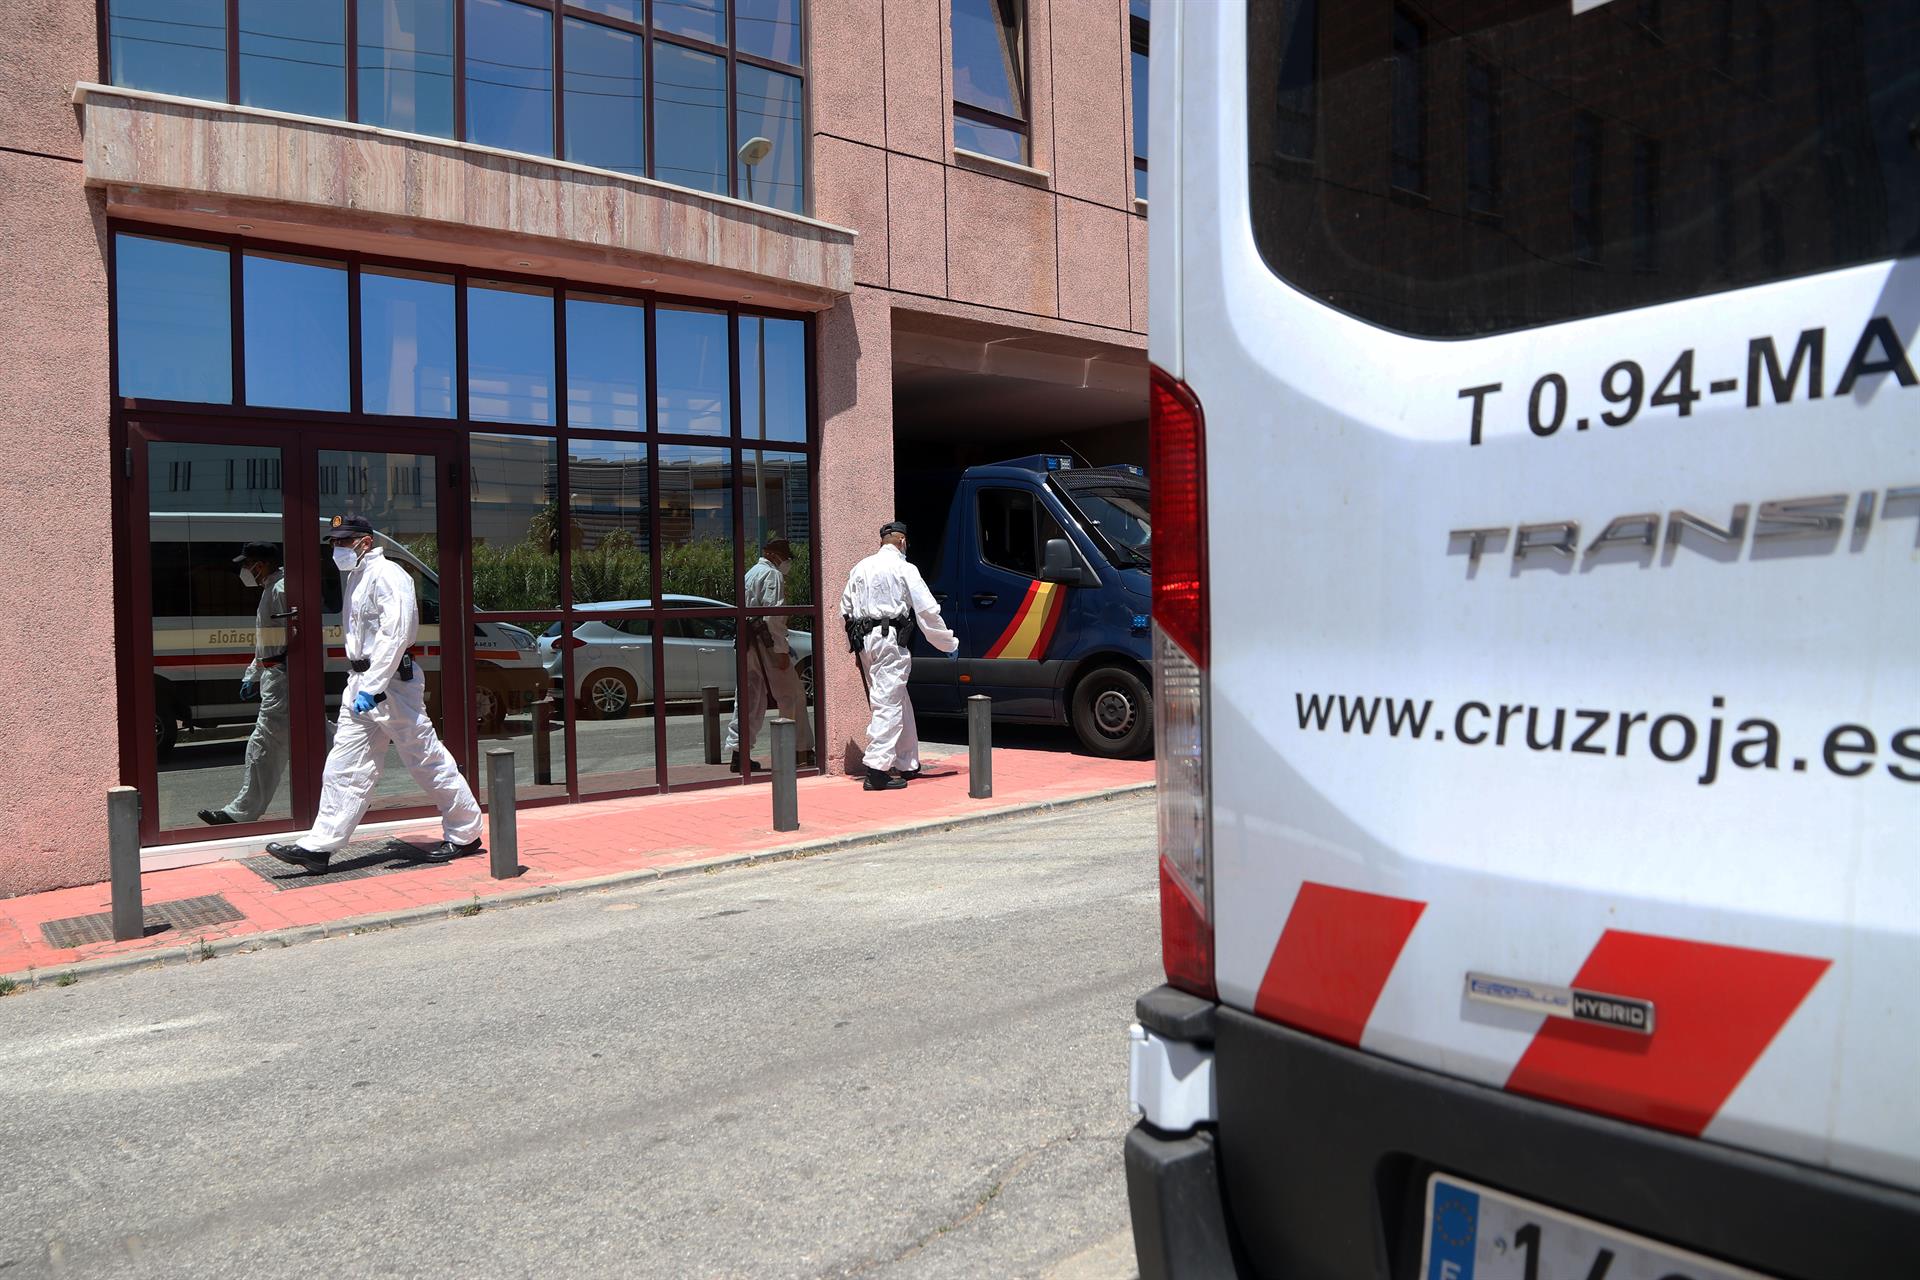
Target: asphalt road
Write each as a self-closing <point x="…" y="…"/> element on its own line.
<point x="901" y="1060"/>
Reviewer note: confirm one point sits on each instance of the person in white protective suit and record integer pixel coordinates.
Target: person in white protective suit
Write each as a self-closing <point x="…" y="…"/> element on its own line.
<point x="769" y="664"/>
<point x="383" y="703"/>
<point x="885" y="598"/>
<point x="266" y="679"/>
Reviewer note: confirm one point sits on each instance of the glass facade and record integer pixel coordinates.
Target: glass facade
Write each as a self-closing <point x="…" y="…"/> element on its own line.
<point x="597" y="472"/>
<point x="701" y="93"/>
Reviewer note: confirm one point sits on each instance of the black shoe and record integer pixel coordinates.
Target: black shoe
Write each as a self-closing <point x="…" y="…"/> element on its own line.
<point x="447" y="850"/>
<point x="293" y="855"/>
<point x="881" y="780"/>
<point x="907" y="775"/>
<point x="215" y="817"/>
<point x="734" y="764"/>
<point x="803" y="759"/>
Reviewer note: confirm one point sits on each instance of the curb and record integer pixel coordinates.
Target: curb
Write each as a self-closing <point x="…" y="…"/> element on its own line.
<point x="208" y="949"/>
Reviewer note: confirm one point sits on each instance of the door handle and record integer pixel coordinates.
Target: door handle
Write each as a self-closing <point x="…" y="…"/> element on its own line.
<point x="985" y="599"/>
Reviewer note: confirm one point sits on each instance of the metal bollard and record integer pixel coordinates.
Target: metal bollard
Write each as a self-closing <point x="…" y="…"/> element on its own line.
<point x="980" y="747"/>
<point x="786" y="791"/>
<point x="123" y="858"/>
<point x="543" y="743"/>
<point x="503" y="831"/>
<point x="710" y="714"/>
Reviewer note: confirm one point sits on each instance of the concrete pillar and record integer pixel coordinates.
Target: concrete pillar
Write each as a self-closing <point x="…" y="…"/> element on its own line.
<point x="59" y="734"/>
<point x="855" y="355"/>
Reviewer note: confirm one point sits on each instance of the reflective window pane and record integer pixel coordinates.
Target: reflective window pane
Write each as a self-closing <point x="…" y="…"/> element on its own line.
<point x="1140" y="100"/>
<point x="700" y="670"/>
<point x="170" y="46"/>
<point x="990" y="140"/>
<point x="690" y="371"/>
<point x="406" y="343"/>
<point x="773" y="378"/>
<point x="509" y="353"/>
<point x="689" y="117"/>
<point x="627" y="9"/>
<point x="696" y="526"/>
<point x="515" y="495"/>
<point x="606" y="102"/>
<point x="611" y="699"/>
<point x="293" y="56"/>
<point x="777" y="664"/>
<point x="510" y="76"/>
<point x="296" y="332"/>
<point x="406" y="65"/>
<point x="769" y="28"/>
<point x="768" y="106"/>
<point x="514" y="706"/>
<point x="778" y="491"/>
<point x="607" y="526"/>
<point x="989" y="60"/>
<point x="702" y="19"/>
<point x="606" y="363"/>
<point x="174" y="332"/>
<point x="218" y="651"/>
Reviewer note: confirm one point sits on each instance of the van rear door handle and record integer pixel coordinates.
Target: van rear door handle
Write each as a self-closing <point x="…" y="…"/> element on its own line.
<point x="985" y="599"/>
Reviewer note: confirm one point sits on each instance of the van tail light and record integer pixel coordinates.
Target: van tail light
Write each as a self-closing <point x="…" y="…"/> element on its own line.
<point x="1177" y="445"/>
<point x="1180" y="654"/>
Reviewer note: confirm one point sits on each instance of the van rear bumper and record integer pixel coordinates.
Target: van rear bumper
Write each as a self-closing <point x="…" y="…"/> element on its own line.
<point x="1317" y="1170"/>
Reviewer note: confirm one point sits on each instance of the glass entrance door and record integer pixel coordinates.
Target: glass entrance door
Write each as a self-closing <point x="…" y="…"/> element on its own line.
<point x="236" y="646"/>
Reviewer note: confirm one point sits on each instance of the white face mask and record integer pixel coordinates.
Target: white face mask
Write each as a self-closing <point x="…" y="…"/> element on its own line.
<point x="248" y="576"/>
<point x="344" y="559"/>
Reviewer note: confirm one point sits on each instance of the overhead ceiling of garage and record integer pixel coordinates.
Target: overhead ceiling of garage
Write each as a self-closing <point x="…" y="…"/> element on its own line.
<point x="992" y="383"/>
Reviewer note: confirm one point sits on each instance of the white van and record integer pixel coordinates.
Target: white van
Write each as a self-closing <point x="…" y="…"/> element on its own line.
<point x="1536" y="474"/>
<point x="203" y="628"/>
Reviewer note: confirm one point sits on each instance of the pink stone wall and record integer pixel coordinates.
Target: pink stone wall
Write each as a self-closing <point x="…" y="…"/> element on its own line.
<point x="59" y="737"/>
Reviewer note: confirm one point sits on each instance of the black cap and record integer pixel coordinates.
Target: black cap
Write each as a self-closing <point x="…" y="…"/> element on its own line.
<point x="348" y="528"/>
<point x="267" y="551"/>
<point x="892" y="527"/>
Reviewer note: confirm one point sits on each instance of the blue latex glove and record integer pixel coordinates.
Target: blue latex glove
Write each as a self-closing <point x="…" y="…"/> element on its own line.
<point x="362" y="703"/>
<point x="249" y="691"/>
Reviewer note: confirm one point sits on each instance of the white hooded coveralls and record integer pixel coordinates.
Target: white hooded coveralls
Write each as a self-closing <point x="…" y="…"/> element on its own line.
<point x="380" y="622"/>
<point x="766" y="588"/>
<point x="266" y="758"/>
<point x="887" y="585"/>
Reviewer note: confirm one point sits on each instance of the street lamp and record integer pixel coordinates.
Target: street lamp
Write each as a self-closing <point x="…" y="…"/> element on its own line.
<point x="752" y="152"/>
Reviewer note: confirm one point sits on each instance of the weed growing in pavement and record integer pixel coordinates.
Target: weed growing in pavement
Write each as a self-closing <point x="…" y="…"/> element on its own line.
<point x="204" y="951"/>
<point x="471" y="909"/>
<point x="66" y="980"/>
<point x="8" y="986"/>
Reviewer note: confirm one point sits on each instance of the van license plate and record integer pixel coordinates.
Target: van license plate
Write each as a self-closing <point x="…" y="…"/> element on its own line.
<point x="1474" y="1233"/>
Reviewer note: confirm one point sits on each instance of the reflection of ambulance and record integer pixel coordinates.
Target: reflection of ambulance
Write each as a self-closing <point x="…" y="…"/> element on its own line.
<point x="203" y="629"/>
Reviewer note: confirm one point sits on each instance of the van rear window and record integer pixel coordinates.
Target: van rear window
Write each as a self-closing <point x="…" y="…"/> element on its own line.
<point x="1456" y="169"/>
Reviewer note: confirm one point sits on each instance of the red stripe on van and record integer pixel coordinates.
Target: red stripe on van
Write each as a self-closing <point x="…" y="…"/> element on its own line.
<point x="1715" y="1011"/>
<point x="1333" y="958"/>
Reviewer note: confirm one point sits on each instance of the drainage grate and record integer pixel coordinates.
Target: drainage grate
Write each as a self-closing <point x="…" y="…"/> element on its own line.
<point x="356" y="861"/>
<point x="186" y="913"/>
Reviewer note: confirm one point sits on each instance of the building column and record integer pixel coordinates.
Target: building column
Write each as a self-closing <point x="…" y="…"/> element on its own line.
<point x="855" y="362"/>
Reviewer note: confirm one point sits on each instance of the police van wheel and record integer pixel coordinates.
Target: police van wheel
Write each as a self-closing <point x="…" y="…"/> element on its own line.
<point x="1113" y="712"/>
<point x="805" y="671"/>
<point x="166" y="731"/>
<point x="608" y="694"/>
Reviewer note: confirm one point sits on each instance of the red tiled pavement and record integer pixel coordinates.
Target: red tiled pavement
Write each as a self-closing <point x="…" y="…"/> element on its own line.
<point x="564" y="844"/>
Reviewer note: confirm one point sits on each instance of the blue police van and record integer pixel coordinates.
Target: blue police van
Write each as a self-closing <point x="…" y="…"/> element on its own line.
<point x="1042" y="569"/>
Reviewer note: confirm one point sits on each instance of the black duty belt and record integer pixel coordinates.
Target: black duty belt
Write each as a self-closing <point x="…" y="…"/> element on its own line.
<point x="858" y="629"/>
<point x="277" y="660"/>
<point x="359" y="667"/>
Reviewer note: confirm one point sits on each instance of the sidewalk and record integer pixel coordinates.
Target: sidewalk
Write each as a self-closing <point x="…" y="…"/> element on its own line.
<point x="200" y="910"/>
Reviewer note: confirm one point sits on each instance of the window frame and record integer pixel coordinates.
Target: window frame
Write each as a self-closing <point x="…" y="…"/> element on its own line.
<point x="1020" y="125"/>
<point x="1138" y="32"/>
<point x="558" y="11"/>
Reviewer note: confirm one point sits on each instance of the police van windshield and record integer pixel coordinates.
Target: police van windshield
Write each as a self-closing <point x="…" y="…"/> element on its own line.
<point x="1448" y="170"/>
<point x="1117" y="514"/>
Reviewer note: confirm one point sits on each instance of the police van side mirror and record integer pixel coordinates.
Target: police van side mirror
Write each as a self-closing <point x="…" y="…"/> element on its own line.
<point x="1060" y="565"/>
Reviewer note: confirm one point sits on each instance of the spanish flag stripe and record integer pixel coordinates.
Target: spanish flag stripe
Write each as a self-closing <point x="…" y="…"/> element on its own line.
<point x="1019" y="616"/>
<point x="1056" y="605"/>
<point x="1033" y="621"/>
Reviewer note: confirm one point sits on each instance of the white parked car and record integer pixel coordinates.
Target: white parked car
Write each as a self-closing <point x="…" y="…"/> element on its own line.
<point x="613" y="658"/>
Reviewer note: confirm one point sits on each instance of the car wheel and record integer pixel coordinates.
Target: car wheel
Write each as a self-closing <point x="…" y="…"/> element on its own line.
<point x="489" y="711"/>
<point x="805" y="668"/>
<point x="1113" y="712"/>
<point x="166" y="731"/>
<point x="607" y="694"/>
